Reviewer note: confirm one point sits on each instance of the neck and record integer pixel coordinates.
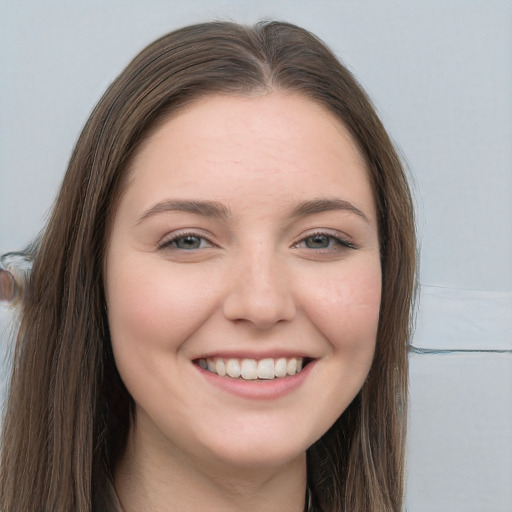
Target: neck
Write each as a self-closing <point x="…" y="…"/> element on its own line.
<point x="164" y="480"/>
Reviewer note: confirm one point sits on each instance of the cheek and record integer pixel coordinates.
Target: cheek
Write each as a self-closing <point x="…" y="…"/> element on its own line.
<point x="151" y="314"/>
<point x="135" y="328"/>
<point x="350" y="302"/>
<point x="136" y="308"/>
<point x="151" y="307"/>
<point x="344" y="308"/>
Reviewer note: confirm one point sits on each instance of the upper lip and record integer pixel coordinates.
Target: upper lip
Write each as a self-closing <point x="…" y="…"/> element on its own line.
<point x="271" y="354"/>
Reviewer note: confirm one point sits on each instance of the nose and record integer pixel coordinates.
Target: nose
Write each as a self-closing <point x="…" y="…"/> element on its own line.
<point x="260" y="292"/>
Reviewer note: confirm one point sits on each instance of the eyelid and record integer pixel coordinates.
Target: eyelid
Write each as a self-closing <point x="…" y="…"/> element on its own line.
<point x="343" y="239"/>
<point x="166" y="241"/>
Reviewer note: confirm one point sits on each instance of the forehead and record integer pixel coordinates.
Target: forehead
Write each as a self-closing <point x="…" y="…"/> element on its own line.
<point x="277" y="144"/>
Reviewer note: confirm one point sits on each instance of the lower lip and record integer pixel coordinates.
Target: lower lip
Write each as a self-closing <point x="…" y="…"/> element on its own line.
<point x="258" y="389"/>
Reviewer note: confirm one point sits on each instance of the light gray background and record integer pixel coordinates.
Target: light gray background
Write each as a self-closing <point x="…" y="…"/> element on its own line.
<point x="440" y="74"/>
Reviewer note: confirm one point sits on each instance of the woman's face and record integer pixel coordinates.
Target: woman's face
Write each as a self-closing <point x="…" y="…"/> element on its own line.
<point x="246" y="242"/>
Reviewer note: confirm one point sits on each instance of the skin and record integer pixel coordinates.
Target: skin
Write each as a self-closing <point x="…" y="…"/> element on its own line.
<point x="251" y="280"/>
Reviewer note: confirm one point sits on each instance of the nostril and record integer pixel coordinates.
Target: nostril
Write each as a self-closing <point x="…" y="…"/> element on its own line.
<point x="263" y="311"/>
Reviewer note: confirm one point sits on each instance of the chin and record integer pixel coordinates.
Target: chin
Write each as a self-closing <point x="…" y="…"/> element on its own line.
<point x="260" y="449"/>
<point x="255" y="458"/>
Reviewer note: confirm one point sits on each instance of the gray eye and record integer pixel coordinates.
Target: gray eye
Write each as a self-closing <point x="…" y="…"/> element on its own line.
<point x="188" y="242"/>
<point x="317" y="242"/>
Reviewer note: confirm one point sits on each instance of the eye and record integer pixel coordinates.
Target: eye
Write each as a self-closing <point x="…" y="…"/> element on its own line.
<point x="319" y="241"/>
<point x="186" y="242"/>
<point x="325" y="243"/>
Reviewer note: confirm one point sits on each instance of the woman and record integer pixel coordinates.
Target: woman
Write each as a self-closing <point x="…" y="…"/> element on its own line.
<point x="219" y="307"/>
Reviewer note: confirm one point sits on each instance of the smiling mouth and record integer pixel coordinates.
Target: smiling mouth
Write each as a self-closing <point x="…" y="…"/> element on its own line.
<point x="253" y="369"/>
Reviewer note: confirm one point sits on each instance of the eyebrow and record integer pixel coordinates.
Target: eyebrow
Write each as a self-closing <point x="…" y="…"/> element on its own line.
<point x="219" y="211"/>
<point x="327" y="205"/>
<point x="204" y="208"/>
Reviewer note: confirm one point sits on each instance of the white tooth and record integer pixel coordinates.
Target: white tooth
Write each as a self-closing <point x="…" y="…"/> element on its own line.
<point x="249" y="369"/>
<point x="266" y="369"/>
<point x="210" y="364"/>
<point x="220" y="367"/>
<point x="300" y="361"/>
<point x="233" y="368"/>
<point x="291" y="367"/>
<point x="202" y="363"/>
<point x="280" y="367"/>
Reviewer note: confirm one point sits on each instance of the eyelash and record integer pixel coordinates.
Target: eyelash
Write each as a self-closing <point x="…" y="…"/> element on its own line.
<point x="168" y="243"/>
<point x="341" y="243"/>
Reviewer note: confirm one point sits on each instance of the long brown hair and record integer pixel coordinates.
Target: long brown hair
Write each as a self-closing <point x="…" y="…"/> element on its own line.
<point x="68" y="412"/>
